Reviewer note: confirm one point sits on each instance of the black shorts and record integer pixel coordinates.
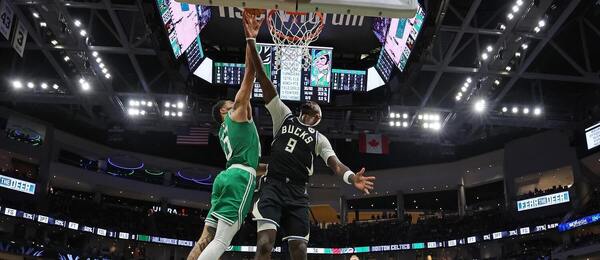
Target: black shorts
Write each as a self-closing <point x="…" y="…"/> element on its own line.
<point x="286" y="206"/>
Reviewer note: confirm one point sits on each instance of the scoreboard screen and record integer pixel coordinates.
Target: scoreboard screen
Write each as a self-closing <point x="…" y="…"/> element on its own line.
<point x="349" y="80"/>
<point x="592" y="136"/>
<point x="228" y="73"/>
<point x="293" y="81"/>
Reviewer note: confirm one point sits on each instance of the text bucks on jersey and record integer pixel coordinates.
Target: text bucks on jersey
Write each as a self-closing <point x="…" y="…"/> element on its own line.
<point x="293" y="150"/>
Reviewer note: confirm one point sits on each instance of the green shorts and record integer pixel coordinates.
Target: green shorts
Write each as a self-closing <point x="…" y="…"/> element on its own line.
<point x="231" y="197"/>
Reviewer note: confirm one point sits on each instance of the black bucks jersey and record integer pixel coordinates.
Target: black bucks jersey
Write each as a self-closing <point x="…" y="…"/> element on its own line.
<point x="293" y="150"/>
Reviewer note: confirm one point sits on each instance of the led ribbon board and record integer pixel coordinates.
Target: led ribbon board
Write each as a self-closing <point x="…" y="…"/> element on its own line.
<point x="543" y="201"/>
<point x="579" y="222"/>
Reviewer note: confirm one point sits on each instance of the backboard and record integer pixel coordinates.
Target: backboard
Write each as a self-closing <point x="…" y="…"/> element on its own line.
<point x="372" y="8"/>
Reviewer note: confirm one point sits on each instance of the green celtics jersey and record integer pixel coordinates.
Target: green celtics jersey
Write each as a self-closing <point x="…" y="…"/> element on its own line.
<point x="240" y="142"/>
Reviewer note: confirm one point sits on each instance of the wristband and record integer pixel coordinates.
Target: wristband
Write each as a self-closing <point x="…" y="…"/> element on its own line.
<point x="346" y="175"/>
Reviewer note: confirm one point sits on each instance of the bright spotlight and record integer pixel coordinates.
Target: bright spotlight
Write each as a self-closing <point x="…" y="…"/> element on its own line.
<point x="101" y="65"/>
<point x="497" y="82"/>
<point x="536" y="29"/>
<point x="517" y="54"/>
<point x="510" y="16"/>
<point x="30" y="85"/>
<point x="180" y="105"/>
<point x="44" y="85"/>
<point x="36" y="15"/>
<point x="420" y="117"/>
<point x="458" y="97"/>
<point x="515" y="110"/>
<point x="81" y="80"/>
<point x="480" y="106"/>
<point x="519" y="2"/>
<point x="43" y="24"/>
<point x="405" y="124"/>
<point x="504" y="109"/>
<point x="132" y="103"/>
<point x="392" y="115"/>
<point x="405" y="115"/>
<point x="107" y="75"/>
<point x="541" y="23"/>
<point x="66" y="58"/>
<point x="17" y="84"/>
<point x="508" y="68"/>
<point x="54" y="42"/>
<point x="524" y="46"/>
<point x="77" y="23"/>
<point x="104" y="71"/>
<point x="143" y="112"/>
<point x="83" y="33"/>
<point x="469" y="79"/>
<point x="173" y="105"/>
<point x="537" y="111"/>
<point x="167" y="104"/>
<point x="98" y="59"/>
<point x="489" y="48"/>
<point x="426" y="125"/>
<point x="85" y="86"/>
<point x="398" y="123"/>
<point x="55" y="87"/>
<point x="463" y="89"/>
<point x="95" y="54"/>
<point x="502" y="27"/>
<point x="167" y="113"/>
<point x="466" y="84"/>
<point x="484" y="56"/>
<point x="143" y="102"/>
<point x="133" y="112"/>
<point x="515" y="8"/>
<point x="435" y="126"/>
<point x="526" y="111"/>
<point x="149" y="104"/>
<point x="391" y="123"/>
<point x="426" y="117"/>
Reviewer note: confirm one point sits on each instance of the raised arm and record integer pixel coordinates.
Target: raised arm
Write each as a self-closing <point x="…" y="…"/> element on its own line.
<point x="242" y="111"/>
<point x="251" y="27"/>
<point x="358" y="180"/>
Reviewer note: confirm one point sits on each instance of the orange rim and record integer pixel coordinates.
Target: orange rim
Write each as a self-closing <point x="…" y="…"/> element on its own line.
<point x="279" y="34"/>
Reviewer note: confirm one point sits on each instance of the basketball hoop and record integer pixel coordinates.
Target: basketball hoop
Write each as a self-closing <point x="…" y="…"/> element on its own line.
<point x="292" y="32"/>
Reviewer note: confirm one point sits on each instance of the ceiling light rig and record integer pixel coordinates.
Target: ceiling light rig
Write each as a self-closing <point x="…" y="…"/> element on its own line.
<point x="42" y="86"/>
<point x="463" y="90"/>
<point x="399" y="120"/>
<point x="430" y="121"/>
<point x="517" y="110"/>
<point x="174" y="109"/>
<point x="136" y="108"/>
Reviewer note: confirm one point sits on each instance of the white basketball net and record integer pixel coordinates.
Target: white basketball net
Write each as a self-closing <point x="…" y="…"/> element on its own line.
<point x="292" y="32"/>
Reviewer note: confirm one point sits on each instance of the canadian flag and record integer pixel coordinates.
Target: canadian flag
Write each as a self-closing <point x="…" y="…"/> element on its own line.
<point x="374" y="143"/>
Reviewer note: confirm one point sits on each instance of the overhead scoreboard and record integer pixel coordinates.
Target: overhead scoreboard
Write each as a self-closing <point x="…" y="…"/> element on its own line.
<point x="592" y="136"/>
<point x="349" y="80"/>
<point x="294" y="82"/>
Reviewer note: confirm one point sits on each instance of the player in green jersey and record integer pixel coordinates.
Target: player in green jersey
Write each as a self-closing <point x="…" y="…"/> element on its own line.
<point x="233" y="188"/>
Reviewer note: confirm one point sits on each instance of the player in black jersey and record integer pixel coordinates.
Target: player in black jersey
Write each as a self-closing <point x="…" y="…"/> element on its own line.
<point x="283" y="199"/>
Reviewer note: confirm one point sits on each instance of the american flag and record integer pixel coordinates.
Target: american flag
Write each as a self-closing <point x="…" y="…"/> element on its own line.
<point x="195" y="135"/>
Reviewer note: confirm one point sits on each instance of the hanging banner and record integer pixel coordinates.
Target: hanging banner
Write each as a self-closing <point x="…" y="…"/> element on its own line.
<point x="20" y="39"/>
<point x="6" y="19"/>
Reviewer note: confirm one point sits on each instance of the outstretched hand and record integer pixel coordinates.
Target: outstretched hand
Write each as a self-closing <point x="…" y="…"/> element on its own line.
<point x="251" y="22"/>
<point x="362" y="182"/>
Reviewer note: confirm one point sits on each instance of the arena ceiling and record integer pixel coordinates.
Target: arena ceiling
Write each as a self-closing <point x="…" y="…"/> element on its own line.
<point x="556" y="72"/>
